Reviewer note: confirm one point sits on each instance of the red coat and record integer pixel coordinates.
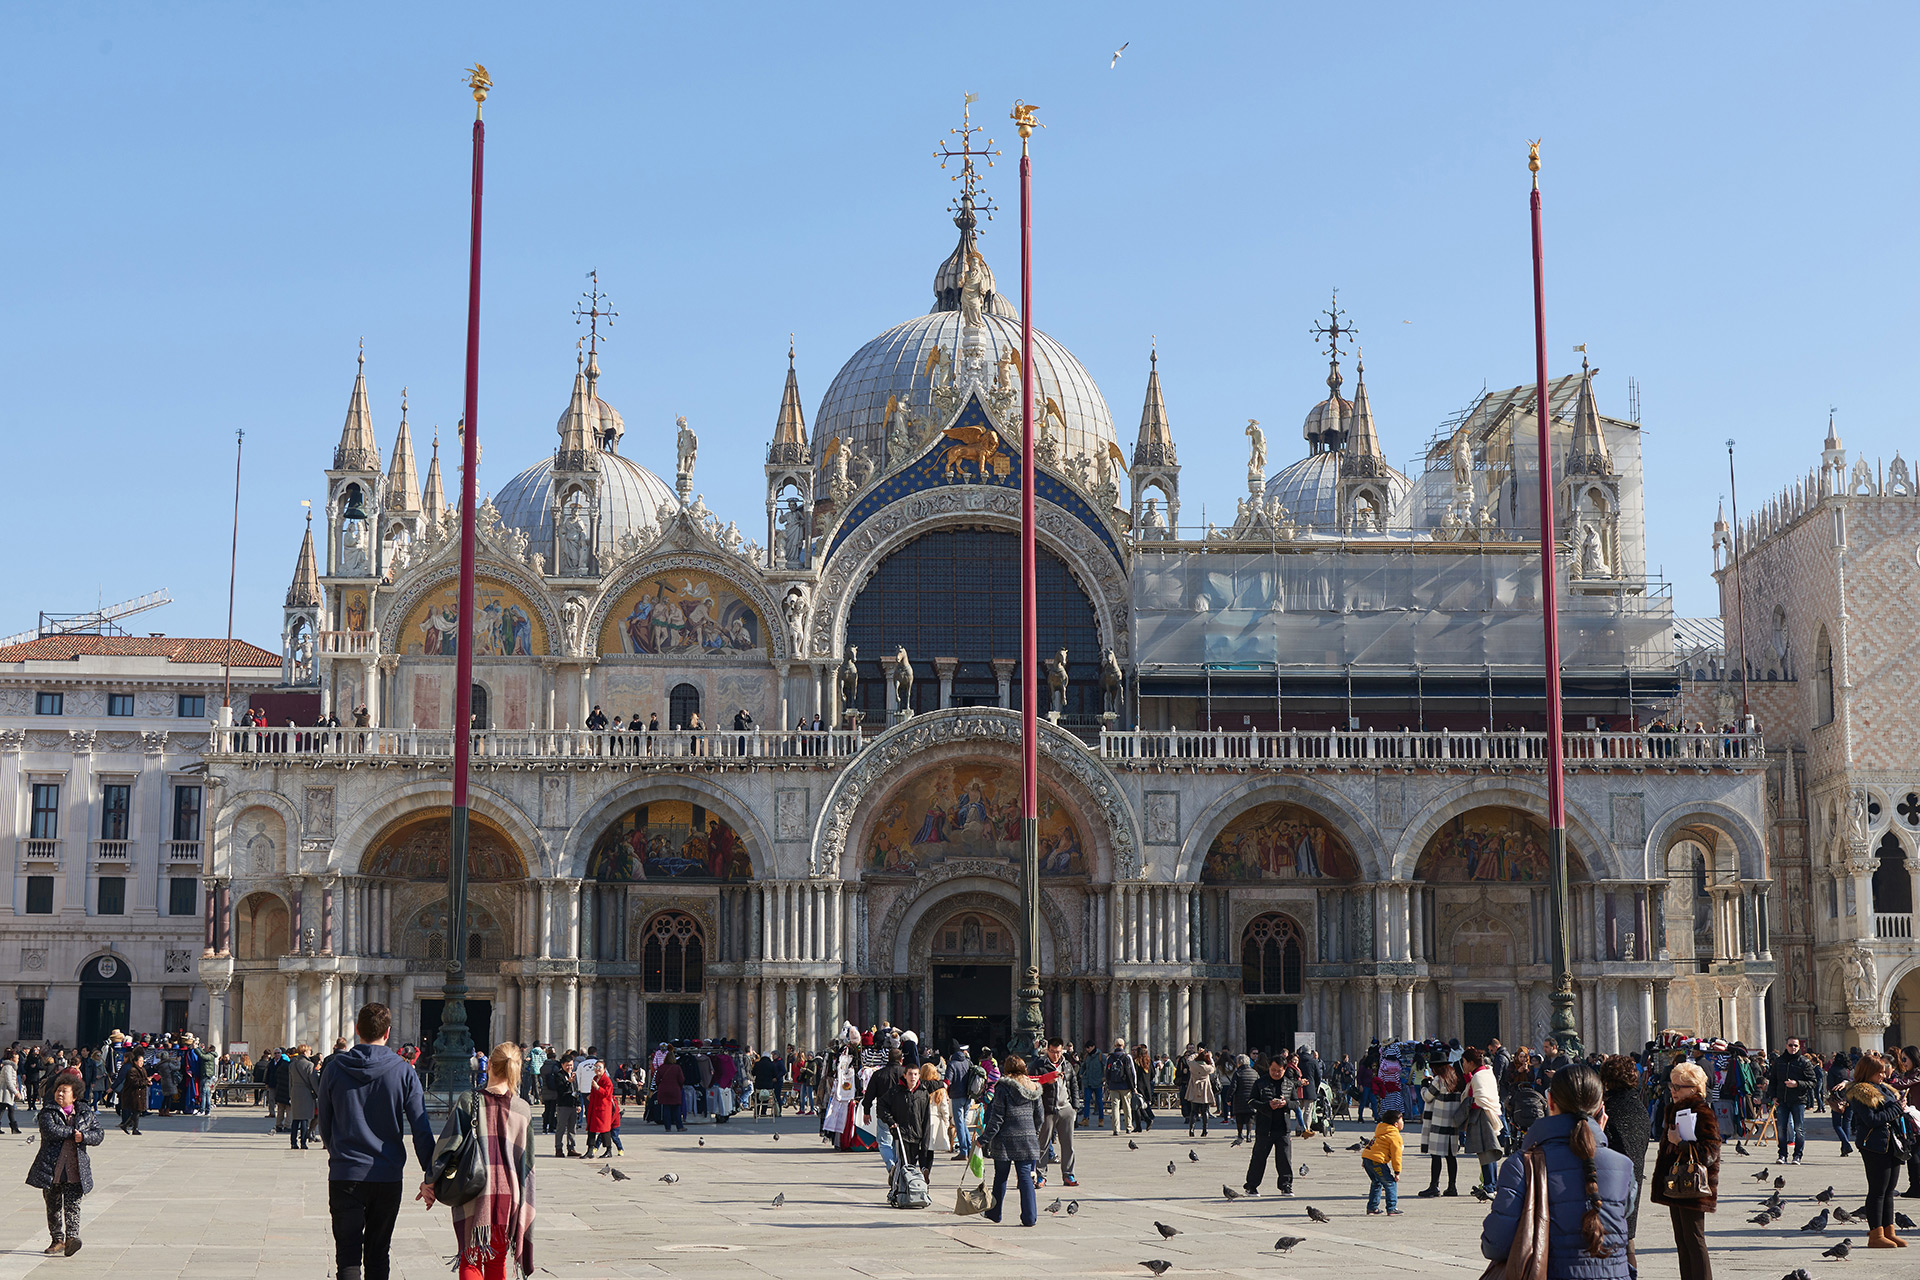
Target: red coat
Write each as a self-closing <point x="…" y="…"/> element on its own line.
<point x="600" y="1106"/>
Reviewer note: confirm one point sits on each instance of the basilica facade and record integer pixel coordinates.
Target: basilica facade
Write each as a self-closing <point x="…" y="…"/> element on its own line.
<point x="735" y="779"/>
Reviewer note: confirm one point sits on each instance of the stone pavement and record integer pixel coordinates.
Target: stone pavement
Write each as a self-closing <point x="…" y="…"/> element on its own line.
<point x="223" y="1198"/>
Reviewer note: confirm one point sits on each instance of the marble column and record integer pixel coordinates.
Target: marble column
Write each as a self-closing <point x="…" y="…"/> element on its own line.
<point x="812" y="1038"/>
<point x="1163" y="1017"/>
<point x="790" y="1032"/>
<point x="569" y="1014"/>
<point x="1143" y="1015"/>
<point x="1183" y="1015"/>
<point x="293" y="1009"/>
<point x="326" y="917"/>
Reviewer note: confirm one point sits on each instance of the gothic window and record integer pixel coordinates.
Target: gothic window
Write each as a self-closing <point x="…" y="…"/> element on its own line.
<point x="1892" y="886"/>
<point x="683" y="703"/>
<point x="1272" y="957"/>
<point x="673" y="957"/>
<point x="1823" y="679"/>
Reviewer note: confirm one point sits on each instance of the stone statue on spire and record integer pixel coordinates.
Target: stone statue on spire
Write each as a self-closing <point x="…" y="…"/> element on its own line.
<point x="973" y="291"/>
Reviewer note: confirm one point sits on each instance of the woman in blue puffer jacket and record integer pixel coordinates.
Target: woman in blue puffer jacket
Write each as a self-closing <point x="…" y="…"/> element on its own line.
<point x="1588" y="1186"/>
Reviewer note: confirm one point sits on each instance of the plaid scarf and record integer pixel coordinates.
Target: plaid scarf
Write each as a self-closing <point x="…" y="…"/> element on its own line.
<point x="508" y="1200"/>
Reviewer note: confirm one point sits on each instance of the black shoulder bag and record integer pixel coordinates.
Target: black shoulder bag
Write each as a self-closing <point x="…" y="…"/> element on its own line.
<point x="460" y="1156"/>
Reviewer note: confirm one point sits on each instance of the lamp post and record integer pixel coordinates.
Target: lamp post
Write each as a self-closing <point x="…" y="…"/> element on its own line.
<point x="1028" y="1023"/>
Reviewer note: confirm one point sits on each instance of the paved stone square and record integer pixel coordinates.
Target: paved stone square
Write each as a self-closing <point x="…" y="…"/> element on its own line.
<point x="224" y="1198"/>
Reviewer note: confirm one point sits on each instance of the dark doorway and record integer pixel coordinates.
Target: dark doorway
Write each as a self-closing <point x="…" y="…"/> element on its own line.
<point x="683" y="703"/>
<point x="1270" y="1027"/>
<point x="479" y="1023"/>
<point x="105" y="997"/>
<point x="671" y="1022"/>
<point x="1479" y="1022"/>
<point x="480" y="717"/>
<point x="972" y="1003"/>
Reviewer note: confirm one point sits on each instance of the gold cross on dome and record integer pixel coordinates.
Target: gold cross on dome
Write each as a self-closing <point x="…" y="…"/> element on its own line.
<point x="593" y="315"/>
<point x="966" y="154"/>
<point x="1333" y="331"/>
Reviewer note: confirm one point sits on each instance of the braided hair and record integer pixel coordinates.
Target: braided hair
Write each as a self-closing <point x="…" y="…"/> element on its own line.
<point x="1576" y="1091"/>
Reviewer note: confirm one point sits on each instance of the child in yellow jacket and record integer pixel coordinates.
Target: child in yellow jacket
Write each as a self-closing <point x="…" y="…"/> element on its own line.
<point x="1381" y="1160"/>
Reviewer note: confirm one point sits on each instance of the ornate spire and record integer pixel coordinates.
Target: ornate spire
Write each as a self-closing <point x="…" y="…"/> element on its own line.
<point x="966" y="207"/>
<point x="304" y="592"/>
<point x="790" y="428"/>
<point x="1364" y="456"/>
<point x="1589" y="455"/>
<point x="403" y="478"/>
<point x="1832" y="444"/>
<point x="578" y="442"/>
<point x="357" y="450"/>
<point x="1154" y="447"/>
<point x="434" y="503"/>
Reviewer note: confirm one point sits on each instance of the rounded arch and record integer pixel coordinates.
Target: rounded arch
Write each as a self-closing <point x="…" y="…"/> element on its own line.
<point x="576" y="850"/>
<point x="262" y="920"/>
<point x="1724" y="821"/>
<point x="415" y="846"/>
<point x="905" y="936"/>
<point x="229" y="813"/>
<point x="401" y="607"/>
<point x="1893" y="875"/>
<point x="729" y="569"/>
<point x="1074" y="773"/>
<point x="1482" y="940"/>
<point x="1100" y="575"/>
<point x="123" y="971"/>
<point x="1584" y="840"/>
<point x="1346" y="820"/>
<point x="357" y="832"/>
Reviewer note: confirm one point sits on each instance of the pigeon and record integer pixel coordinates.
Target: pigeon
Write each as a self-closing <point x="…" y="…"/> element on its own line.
<point x="1166" y="1232"/>
<point x="1819" y="1222"/>
<point x="1110" y="66"/>
<point x="1237" y="1142"/>
<point x="1316" y="1215"/>
<point x="1055" y="1206"/>
<point x="1229" y="1192"/>
<point x="1773" y="1215"/>
<point x="1740" y="1147"/>
<point x="1303" y="1171"/>
<point x="669" y="1177"/>
<point x="776" y="1137"/>
<point x="1779" y="1182"/>
<point x="1798" y="1273"/>
<point x="1763" y="1175"/>
<point x="1358" y="1146"/>
<point x="779" y="1199"/>
<point x="1903" y="1222"/>
<point x="1285" y="1243"/>
<point x="1073" y="1207"/>
<point x="1481" y="1194"/>
<point x="1326" y="1146"/>
<point x="701" y="1143"/>
<point x="1193" y="1155"/>
<point x="1840" y="1251"/>
<point x="1841" y="1215"/>
<point x="1824" y="1196"/>
<point x="1159" y="1266"/>
<point x="1761" y="1219"/>
<point x="1170" y="1168"/>
<point x="1132" y="1145"/>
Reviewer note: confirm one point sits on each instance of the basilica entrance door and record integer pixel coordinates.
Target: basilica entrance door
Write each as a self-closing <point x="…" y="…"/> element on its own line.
<point x="1479" y="1022"/>
<point x="972" y="1003"/>
<point x="479" y="1022"/>
<point x="671" y="1022"/>
<point x="1270" y="1026"/>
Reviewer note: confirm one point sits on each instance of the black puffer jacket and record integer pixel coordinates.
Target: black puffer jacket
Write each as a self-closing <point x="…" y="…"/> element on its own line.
<point x="1524" y="1105"/>
<point x="1629" y="1130"/>
<point x="1265" y="1114"/>
<point x="56" y="1131"/>
<point x="1243" y="1084"/>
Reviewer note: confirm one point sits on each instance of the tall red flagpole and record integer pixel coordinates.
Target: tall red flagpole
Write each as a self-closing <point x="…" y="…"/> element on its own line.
<point x="1562" y="1025"/>
<point x="1028" y="1031"/>
<point x="453" y="1049"/>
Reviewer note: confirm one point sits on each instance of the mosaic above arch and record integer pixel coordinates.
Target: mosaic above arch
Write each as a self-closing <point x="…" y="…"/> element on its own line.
<point x="669" y="840"/>
<point x="683" y="614"/>
<point x="505" y="623"/>
<point x="419" y="848"/>
<point x="1493" y="845"/>
<point x="1277" y="841"/>
<point x="968" y="809"/>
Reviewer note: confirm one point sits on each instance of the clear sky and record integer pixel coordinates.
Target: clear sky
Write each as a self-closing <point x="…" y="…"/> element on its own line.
<point x="206" y="207"/>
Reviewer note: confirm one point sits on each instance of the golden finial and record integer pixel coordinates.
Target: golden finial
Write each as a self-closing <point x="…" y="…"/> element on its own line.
<point x="1023" y="121"/>
<point x="478" y="80"/>
<point x="1533" y="161"/>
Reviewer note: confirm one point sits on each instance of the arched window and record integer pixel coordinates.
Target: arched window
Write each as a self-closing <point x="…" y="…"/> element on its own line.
<point x="683" y="703"/>
<point x="476" y="949"/>
<point x="1892" y="886"/>
<point x="1273" y="959"/>
<point x="673" y="957"/>
<point x="436" y="947"/>
<point x="480" y="712"/>
<point x="1823" y="679"/>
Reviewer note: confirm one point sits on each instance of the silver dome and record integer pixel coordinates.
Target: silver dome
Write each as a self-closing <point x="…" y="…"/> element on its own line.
<point x="1310" y="490"/>
<point x="895" y="364"/>
<point x="630" y="495"/>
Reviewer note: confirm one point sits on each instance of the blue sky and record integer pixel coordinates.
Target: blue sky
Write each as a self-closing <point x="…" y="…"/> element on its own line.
<point x="206" y="207"/>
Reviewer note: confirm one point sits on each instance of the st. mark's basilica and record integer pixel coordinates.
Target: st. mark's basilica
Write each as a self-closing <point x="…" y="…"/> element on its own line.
<point x="755" y="779"/>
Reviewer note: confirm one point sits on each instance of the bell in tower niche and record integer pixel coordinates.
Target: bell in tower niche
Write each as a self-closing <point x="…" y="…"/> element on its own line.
<point x="350" y="506"/>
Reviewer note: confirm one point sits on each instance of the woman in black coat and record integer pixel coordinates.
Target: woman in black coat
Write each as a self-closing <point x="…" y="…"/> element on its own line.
<point x="61" y="1170"/>
<point x="1629" y="1126"/>
<point x="1012" y="1137"/>
<point x="133" y="1094"/>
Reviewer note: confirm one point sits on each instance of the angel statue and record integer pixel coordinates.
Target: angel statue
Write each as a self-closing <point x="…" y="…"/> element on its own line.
<point x="899" y="431"/>
<point x="1006" y="369"/>
<point x="1257" y="440"/>
<point x="687" y="448"/>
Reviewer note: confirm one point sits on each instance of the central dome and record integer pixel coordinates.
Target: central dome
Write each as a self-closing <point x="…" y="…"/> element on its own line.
<point x="895" y="364"/>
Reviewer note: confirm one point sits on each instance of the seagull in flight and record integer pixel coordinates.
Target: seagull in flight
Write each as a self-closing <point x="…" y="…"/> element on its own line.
<point x="1116" y="56"/>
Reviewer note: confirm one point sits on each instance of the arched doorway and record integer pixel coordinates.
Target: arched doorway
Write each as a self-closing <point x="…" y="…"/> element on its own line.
<point x="481" y="716"/>
<point x="673" y="963"/>
<point x="106" y="997"/>
<point x="972" y="959"/>
<point x="1892" y="886"/>
<point x="1273" y="963"/>
<point x="683" y="704"/>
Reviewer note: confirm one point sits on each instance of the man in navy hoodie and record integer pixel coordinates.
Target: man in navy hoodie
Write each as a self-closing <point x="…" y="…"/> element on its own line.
<point x="369" y="1097"/>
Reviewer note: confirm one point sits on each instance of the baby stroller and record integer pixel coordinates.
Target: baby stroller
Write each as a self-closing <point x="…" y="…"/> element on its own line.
<point x="1318" y="1110"/>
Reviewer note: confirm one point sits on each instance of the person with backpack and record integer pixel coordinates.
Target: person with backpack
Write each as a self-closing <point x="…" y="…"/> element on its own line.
<point x="550" y="1073"/>
<point x="1877" y="1119"/>
<point x="1238" y="1093"/>
<point x="1123" y="1082"/>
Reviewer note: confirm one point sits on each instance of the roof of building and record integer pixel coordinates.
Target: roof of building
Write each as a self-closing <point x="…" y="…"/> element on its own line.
<point x="183" y="649"/>
<point x="1698" y="635"/>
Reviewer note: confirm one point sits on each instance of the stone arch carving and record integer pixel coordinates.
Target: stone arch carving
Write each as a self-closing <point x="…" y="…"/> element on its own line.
<point x="729" y="569"/>
<point x="1465" y="945"/>
<point x="964" y="506"/>
<point x="358" y="831"/>
<point x="576" y="848"/>
<point x="903" y="938"/>
<point x="246" y="927"/>
<point x="1075" y="771"/>
<point x="230" y="812"/>
<point x="401" y="606"/>
<point x="1340" y="813"/>
<point x="1530" y="797"/>
<point x="1736" y="827"/>
<point x="126" y="965"/>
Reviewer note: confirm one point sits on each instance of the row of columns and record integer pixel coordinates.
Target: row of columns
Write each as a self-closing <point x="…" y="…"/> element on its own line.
<point x="1154" y="923"/>
<point x="807" y="920"/>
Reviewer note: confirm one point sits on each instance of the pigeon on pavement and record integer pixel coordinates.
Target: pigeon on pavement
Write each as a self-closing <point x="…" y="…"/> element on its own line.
<point x="1303" y="1170"/>
<point x="1903" y="1222"/>
<point x="1819" y="1222"/>
<point x="1841" y="1215"/>
<point x="1132" y="1145"/>
<point x="1055" y="1206"/>
<point x="1170" y="1168"/>
<point x="1193" y="1155"/>
<point x="1326" y="1146"/>
<point x="1763" y="1175"/>
<point x="1229" y="1192"/>
<point x="702" y="1142"/>
<point x="776" y="1137"/>
<point x="1316" y="1215"/>
<point x="1740" y="1147"/>
<point x="669" y="1177"/>
<point x="779" y="1199"/>
<point x="1358" y="1146"/>
<point x="1761" y="1220"/>
<point x="1237" y="1142"/>
<point x="1481" y="1194"/>
<point x="1166" y="1232"/>
<point x="1779" y="1182"/>
<point x="1840" y="1251"/>
<point x="1798" y="1273"/>
<point x="1073" y="1207"/>
<point x="1824" y="1196"/>
<point x="1159" y="1266"/>
<point x="1285" y="1243"/>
